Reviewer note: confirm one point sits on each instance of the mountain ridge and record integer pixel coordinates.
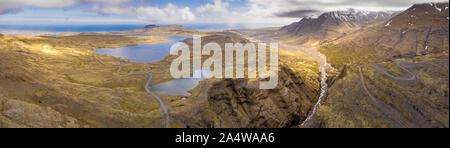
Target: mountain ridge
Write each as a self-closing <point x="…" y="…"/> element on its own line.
<point x="420" y="30"/>
<point x="331" y="25"/>
<point x="396" y="71"/>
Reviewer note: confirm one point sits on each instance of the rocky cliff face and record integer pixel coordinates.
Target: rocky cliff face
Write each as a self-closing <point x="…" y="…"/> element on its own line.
<point x="239" y="103"/>
<point x="331" y="25"/>
<point x="222" y="103"/>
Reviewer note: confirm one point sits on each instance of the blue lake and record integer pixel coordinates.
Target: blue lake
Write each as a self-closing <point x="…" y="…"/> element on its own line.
<point x="180" y="87"/>
<point x="143" y="53"/>
<point x="155" y="52"/>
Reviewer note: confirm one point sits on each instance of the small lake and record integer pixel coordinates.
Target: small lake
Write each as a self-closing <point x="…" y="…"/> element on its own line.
<point x="180" y="87"/>
<point x="143" y="53"/>
<point x="155" y="52"/>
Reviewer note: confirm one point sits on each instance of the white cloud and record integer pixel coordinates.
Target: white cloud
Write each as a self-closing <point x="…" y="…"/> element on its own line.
<point x="280" y="6"/>
<point x="108" y="7"/>
<point x="218" y="11"/>
<point x="218" y="8"/>
<point x="7" y="6"/>
<point x="255" y="16"/>
<point x="170" y="13"/>
<point x="267" y="11"/>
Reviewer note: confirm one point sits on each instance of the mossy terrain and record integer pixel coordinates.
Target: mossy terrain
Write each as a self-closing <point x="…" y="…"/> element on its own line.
<point x="414" y="94"/>
<point x="422" y="102"/>
<point x="59" y="82"/>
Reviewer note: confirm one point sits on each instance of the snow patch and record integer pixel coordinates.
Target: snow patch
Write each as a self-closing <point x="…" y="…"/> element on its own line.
<point x="438" y="9"/>
<point x="389" y="23"/>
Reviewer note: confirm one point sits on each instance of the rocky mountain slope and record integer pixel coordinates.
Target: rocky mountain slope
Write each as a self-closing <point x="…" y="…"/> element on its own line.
<point x="420" y="30"/>
<point x="395" y="73"/>
<point x="330" y="25"/>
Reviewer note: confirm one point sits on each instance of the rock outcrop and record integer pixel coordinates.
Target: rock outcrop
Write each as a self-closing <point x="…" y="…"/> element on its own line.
<point x="222" y="103"/>
<point x="238" y="103"/>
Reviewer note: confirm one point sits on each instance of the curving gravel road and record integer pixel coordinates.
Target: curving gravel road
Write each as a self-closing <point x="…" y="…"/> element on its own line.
<point x="98" y="60"/>
<point x="390" y="112"/>
<point x="165" y="109"/>
<point x="163" y="106"/>
<point x="412" y="76"/>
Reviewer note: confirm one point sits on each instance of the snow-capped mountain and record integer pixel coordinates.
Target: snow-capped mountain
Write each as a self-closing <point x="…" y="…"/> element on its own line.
<point x="422" y="29"/>
<point x="357" y="16"/>
<point x="334" y="24"/>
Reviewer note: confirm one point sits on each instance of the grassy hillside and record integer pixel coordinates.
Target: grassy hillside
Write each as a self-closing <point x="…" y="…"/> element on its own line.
<point x="394" y="73"/>
<point x="58" y="82"/>
<point x="420" y="30"/>
<point x="62" y="82"/>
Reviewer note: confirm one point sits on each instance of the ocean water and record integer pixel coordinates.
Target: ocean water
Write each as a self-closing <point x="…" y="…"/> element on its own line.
<point x="37" y="29"/>
<point x="67" y="28"/>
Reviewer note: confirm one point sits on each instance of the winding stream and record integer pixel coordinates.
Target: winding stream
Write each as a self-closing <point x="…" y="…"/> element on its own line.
<point x="323" y="87"/>
<point x="324" y="65"/>
<point x="322" y="59"/>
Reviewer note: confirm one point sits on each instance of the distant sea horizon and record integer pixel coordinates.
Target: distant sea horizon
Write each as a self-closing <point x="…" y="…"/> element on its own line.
<point x="41" y="29"/>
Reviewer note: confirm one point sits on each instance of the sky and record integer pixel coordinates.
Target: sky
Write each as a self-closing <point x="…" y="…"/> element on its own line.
<point x="243" y="12"/>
